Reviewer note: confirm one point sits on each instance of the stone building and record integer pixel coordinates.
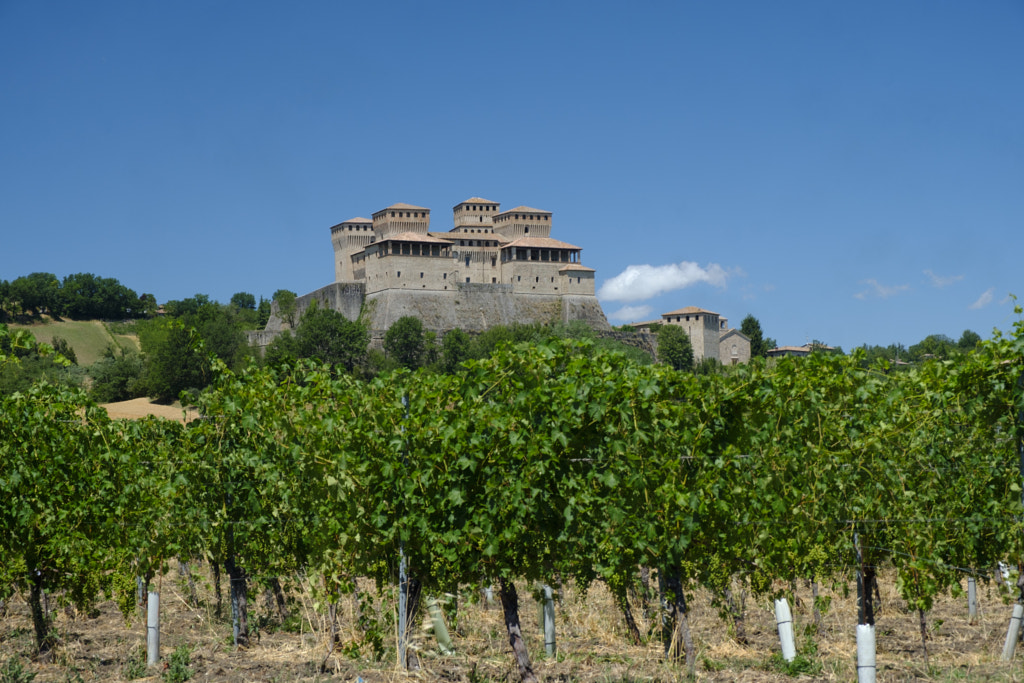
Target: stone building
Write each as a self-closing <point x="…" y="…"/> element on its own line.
<point x="709" y="333"/>
<point x="491" y="267"/>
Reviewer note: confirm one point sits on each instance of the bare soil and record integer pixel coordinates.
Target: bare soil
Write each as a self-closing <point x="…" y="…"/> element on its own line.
<point x="141" y="407"/>
<point x="592" y="644"/>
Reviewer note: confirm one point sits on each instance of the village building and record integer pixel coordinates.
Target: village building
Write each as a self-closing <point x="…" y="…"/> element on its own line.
<point x="805" y="350"/>
<point x="709" y="333"/>
<point x="492" y="267"/>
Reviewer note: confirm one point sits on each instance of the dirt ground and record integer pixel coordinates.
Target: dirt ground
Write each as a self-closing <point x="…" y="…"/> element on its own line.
<point x="592" y="645"/>
<point x="141" y="407"/>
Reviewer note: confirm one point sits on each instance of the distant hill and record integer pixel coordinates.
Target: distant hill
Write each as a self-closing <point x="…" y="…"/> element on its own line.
<point x="89" y="338"/>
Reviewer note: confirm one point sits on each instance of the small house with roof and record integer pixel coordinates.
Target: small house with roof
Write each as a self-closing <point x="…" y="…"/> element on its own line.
<point x="709" y="333"/>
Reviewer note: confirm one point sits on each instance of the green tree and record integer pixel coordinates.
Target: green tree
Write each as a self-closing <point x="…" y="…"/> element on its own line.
<point x="933" y="346"/>
<point x="282" y="350"/>
<point x="262" y="313"/>
<point x="759" y="345"/>
<point x="37" y="292"/>
<point x="327" y="335"/>
<point x="968" y="340"/>
<point x="674" y="347"/>
<point x="116" y="377"/>
<point x="147" y="305"/>
<point x="404" y="341"/>
<point x="84" y="296"/>
<point x="286" y="307"/>
<point x="174" y="361"/>
<point x="244" y="301"/>
<point x="455" y="348"/>
<point x="6" y="308"/>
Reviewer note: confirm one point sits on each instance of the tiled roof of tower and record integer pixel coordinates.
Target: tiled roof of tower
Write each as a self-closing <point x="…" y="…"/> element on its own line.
<point x="476" y="200"/>
<point x="400" y="205"/>
<point x="576" y="266"/>
<point x="540" y="243"/>
<point x="414" y="237"/>
<point x="689" y="310"/>
<point x="525" y="209"/>
<point x="357" y="219"/>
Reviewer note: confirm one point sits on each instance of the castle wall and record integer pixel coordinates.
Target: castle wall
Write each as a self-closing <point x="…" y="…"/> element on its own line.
<point x="344" y="297"/>
<point x="476" y="307"/>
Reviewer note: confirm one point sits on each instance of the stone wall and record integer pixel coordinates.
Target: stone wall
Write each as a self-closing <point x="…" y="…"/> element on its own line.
<point x="476" y="307"/>
<point x="468" y="306"/>
<point x="344" y="297"/>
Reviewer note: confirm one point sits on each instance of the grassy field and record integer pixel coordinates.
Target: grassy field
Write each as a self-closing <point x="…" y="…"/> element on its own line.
<point x="592" y="645"/>
<point x="89" y="338"/>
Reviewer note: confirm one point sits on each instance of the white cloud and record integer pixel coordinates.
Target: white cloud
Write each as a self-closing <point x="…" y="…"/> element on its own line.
<point x="940" y="281"/>
<point x="631" y="313"/>
<point x="637" y="283"/>
<point x="984" y="300"/>
<point x="879" y="290"/>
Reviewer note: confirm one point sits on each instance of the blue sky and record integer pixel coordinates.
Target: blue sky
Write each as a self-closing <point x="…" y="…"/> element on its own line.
<point x="848" y="172"/>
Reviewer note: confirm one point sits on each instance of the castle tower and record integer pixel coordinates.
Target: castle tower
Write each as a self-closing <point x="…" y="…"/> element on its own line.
<point x="349" y="237"/>
<point x="475" y="215"/>
<point x="523" y="221"/>
<point x="399" y="218"/>
<point x="702" y="327"/>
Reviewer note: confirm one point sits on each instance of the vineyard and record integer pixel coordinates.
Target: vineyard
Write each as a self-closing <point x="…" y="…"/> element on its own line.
<point x="556" y="465"/>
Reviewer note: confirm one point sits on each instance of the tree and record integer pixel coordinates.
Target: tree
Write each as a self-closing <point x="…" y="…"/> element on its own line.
<point x="282" y="350"/>
<point x="405" y="343"/>
<point x="243" y="301"/>
<point x="116" y="378"/>
<point x="224" y="337"/>
<point x="85" y="296"/>
<point x="262" y="314"/>
<point x="285" y="300"/>
<point x="674" y="347"/>
<point x="968" y="340"/>
<point x="933" y="346"/>
<point x="175" y="361"/>
<point x="455" y="348"/>
<point x="147" y="305"/>
<point x="37" y="292"/>
<point x="329" y="336"/>
<point x="759" y="344"/>
<point x="5" y="299"/>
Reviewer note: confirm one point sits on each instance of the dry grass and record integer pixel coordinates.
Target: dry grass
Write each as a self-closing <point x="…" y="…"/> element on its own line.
<point x="89" y="338"/>
<point x="142" y="407"/>
<point x="591" y="641"/>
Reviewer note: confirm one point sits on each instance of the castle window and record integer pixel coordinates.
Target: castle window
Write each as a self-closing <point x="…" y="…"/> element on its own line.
<point x="421" y="276"/>
<point x="537" y="279"/>
<point x="467" y="279"/>
<point x="467" y="260"/>
<point x="399" y="273"/>
<point x="392" y="214"/>
<point x="527" y="229"/>
<point x="519" y="278"/>
<point x="494" y="280"/>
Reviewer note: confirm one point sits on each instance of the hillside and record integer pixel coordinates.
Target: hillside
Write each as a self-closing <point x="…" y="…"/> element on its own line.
<point x="89" y="338"/>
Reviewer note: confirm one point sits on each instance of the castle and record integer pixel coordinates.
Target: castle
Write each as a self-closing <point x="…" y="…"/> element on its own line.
<point x="492" y="267"/>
